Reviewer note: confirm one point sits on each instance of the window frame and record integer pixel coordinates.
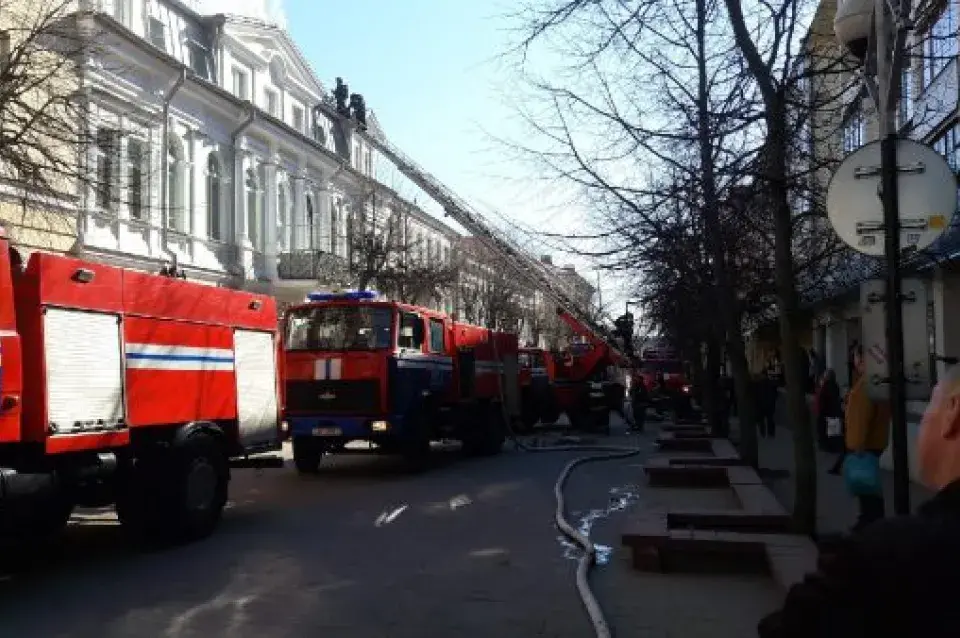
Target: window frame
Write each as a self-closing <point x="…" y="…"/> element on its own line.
<point x="137" y="169"/>
<point x="404" y="315"/>
<point x="437" y="323"/>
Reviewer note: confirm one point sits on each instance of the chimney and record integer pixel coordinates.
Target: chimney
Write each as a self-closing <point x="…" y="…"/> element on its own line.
<point x="546" y="259"/>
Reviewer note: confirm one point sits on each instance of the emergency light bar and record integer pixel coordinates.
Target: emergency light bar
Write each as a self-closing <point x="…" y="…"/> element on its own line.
<point x="347" y="295"/>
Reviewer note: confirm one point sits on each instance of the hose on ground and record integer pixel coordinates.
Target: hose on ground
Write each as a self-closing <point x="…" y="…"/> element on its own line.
<point x="588" y="558"/>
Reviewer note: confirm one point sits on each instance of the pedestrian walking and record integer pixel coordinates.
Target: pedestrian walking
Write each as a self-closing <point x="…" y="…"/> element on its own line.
<point x="829" y="406"/>
<point x="867" y="430"/>
<point x="766" y="392"/>
<point x="639" y="400"/>
<point x="894" y="578"/>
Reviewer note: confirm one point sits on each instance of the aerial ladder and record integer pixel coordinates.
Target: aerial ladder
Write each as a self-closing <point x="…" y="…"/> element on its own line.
<point x="582" y="378"/>
<point x="498" y="242"/>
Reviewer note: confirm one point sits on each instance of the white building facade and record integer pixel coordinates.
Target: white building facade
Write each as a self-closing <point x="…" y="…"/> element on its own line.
<point x="218" y="149"/>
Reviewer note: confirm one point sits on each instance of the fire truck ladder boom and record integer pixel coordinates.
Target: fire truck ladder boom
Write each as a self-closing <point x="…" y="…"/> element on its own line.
<point x="492" y="238"/>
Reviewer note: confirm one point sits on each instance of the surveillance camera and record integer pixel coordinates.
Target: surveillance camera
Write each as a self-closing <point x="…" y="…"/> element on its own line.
<point x="853" y="25"/>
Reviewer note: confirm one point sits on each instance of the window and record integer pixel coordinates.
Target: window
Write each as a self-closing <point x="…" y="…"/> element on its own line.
<point x="941" y="43"/>
<point x="338" y="328"/>
<point x="198" y="59"/>
<point x="272" y="102"/>
<point x="298" y="118"/>
<point x="948" y="145"/>
<point x="436" y="336"/>
<point x="368" y="163"/>
<point x="135" y="170"/>
<point x="253" y="207"/>
<point x="319" y="133"/>
<point x="239" y="83"/>
<point x="356" y="157"/>
<point x="4" y="49"/>
<point x="157" y="33"/>
<point x="108" y="160"/>
<point x="311" y="230"/>
<point x="176" y="216"/>
<point x="120" y="11"/>
<point x="214" y="217"/>
<point x="905" y="106"/>
<point x="283" y="218"/>
<point x="854" y="130"/>
<point x="410" y="336"/>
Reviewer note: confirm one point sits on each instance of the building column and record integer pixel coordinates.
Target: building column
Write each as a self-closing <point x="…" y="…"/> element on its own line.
<point x="836" y="350"/>
<point x="298" y="212"/>
<point x="946" y="309"/>
<point x="270" y="217"/>
<point x="242" y="160"/>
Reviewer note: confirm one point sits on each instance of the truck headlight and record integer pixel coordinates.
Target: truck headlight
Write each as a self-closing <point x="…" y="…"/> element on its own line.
<point x="379" y="426"/>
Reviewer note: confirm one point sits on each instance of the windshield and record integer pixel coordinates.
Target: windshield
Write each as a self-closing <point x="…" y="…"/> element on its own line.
<point x="338" y="328"/>
<point x="666" y="367"/>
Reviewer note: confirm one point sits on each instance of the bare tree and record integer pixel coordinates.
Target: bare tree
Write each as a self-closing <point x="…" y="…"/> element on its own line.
<point x="43" y="116"/>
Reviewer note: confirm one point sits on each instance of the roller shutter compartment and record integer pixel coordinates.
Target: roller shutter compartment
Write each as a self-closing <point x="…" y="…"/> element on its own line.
<point x="256" y="370"/>
<point x="82" y="353"/>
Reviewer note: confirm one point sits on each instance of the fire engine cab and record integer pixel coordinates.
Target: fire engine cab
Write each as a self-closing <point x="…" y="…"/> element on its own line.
<point x="126" y="388"/>
<point x="362" y="368"/>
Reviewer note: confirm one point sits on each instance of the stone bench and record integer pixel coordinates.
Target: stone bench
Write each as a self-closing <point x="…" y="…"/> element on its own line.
<point x="669" y="442"/>
<point x="753" y="539"/>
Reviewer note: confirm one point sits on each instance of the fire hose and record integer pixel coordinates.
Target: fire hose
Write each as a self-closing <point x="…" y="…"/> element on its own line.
<point x="588" y="558"/>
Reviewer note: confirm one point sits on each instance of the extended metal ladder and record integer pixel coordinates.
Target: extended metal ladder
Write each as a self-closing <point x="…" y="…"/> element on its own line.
<point x="525" y="265"/>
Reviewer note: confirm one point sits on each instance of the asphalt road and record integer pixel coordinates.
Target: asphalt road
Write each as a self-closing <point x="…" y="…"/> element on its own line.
<point x="467" y="548"/>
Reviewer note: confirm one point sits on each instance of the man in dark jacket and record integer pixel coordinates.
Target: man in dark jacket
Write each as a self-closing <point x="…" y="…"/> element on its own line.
<point x="896" y="577"/>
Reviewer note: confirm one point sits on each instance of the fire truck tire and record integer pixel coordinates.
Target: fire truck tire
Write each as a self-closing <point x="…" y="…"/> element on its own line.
<point x="44" y="521"/>
<point x="306" y="455"/>
<point x="177" y="496"/>
<point x="529" y="413"/>
<point x="486" y="431"/>
<point x="415" y="446"/>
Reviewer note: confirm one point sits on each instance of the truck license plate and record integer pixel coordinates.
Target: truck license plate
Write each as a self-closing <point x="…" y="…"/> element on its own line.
<point x="326" y="432"/>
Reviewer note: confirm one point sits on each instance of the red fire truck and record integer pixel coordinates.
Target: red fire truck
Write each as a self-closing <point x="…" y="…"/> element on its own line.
<point x="361" y="368"/>
<point x="126" y="388"/>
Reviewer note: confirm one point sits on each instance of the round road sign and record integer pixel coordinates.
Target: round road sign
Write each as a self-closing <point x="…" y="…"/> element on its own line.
<point x="927" y="193"/>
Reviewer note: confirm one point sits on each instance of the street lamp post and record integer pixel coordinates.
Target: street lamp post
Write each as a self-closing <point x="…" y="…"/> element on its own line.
<point x="889" y="31"/>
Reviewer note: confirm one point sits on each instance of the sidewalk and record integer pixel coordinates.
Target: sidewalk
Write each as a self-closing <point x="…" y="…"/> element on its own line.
<point x="836" y="509"/>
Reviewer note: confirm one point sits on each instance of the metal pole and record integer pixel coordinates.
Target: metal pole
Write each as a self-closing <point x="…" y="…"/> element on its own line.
<point x="891" y="221"/>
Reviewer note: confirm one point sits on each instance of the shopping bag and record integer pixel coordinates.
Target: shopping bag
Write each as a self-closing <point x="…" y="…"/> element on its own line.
<point x="861" y="473"/>
<point x="834" y="426"/>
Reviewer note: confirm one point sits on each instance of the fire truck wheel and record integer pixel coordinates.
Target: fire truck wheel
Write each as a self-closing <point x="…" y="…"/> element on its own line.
<point x="306" y="455"/>
<point x="177" y="497"/>
<point x="415" y="446"/>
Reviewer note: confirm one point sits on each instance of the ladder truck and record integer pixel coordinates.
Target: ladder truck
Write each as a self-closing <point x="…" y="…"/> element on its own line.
<point x="580" y="376"/>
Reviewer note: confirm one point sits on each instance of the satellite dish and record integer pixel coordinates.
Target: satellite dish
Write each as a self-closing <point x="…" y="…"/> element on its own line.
<point x="927" y="196"/>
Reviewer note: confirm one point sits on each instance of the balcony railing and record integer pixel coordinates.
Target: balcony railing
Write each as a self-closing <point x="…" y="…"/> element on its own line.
<point x="308" y="264"/>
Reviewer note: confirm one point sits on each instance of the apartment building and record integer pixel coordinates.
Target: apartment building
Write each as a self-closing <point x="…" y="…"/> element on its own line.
<point x="928" y="112"/>
<point x="215" y="146"/>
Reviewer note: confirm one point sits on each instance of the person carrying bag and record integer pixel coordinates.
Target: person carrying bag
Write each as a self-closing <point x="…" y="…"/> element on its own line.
<point x="868" y="430"/>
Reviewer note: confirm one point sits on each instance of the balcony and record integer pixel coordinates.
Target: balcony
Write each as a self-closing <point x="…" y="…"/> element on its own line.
<point x="312" y="264"/>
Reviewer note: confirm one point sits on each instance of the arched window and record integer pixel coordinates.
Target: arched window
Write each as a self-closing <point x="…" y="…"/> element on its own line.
<point x="283" y="217"/>
<point x="214" y="212"/>
<point x="176" y="215"/>
<point x="335" y="212"/>
<point x="254" y="208"/>
<point x="311" y="231"/>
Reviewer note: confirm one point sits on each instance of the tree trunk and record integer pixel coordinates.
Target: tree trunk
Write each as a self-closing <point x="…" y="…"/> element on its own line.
<point x="725" y="295"/>
<point x="718" y="422"/>
<point x="798" y="420"/>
